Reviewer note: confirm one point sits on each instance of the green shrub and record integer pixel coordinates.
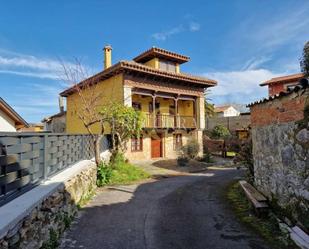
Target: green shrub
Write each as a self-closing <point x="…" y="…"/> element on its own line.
<point x="116" y="159"/>
<point x="220" y="131"/>
<point x="52" y="243"/>
<point x="190" y="150"/>
<point x="104" y="174"/>
<point x="207" y="158"/>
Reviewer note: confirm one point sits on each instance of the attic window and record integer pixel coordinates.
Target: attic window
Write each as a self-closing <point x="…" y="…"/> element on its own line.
<point x="168" y="66"/>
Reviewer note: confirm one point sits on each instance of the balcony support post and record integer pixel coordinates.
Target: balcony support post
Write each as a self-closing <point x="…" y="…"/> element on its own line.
<point x="154" y="110"/>
<point x="176" y="112"/>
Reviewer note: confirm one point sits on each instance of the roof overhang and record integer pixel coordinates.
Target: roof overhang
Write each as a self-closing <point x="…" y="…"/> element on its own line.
<point x="8" y="110"/>
<point x="283" y="79"/>
<point x="161" y="53"/>
<point x="130" y="66"/>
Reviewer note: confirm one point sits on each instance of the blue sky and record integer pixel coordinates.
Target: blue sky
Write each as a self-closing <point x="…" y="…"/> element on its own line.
<point x="240" y="43"/>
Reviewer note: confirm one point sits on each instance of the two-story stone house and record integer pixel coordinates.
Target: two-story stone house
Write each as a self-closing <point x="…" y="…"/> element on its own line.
<point x="172" y="101"/>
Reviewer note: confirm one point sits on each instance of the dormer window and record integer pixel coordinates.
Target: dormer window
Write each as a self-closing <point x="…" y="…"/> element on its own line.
<point x="167" y="66"/>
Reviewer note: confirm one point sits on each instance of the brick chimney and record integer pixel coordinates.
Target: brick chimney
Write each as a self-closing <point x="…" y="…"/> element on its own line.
<point x="107" y="56"/>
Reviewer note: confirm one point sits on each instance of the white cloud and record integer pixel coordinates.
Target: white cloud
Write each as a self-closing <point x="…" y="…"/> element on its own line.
<point x="38" y="103"/>
<point x="270" y="33"/>
<point x="283" y="29"/>
<point x="194" y="26"/>
<point x="30" y="62"/>
<point x="239" y="86"/>
<point x="39" y="98"/>
<point x="162" y="36"/>
<point x="191" y="27"/>
<point x="36" y="67"/>
<point x="42" y="75"/>
<point x="255" y="63"/>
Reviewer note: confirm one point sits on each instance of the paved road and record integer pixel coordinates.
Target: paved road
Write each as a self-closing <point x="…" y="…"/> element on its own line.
<point x="185" y="212"/>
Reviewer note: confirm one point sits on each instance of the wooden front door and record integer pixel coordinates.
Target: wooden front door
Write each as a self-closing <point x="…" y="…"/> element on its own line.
<point x="156" y="147"/>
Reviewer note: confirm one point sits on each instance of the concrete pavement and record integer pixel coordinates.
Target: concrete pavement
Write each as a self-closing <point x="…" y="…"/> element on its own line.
<point x="187" y="212"/>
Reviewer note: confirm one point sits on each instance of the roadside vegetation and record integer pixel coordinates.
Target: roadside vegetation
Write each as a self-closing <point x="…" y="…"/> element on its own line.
<point x="245" y="157"/>
<point x="267" y="227"/>
<point x="220" y="132"/>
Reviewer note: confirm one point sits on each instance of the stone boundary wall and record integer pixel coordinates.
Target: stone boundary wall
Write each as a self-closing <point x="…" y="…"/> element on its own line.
<point x="280" y="136"/>
<point x="37" y="218"/>
<point x="232" y="123"/>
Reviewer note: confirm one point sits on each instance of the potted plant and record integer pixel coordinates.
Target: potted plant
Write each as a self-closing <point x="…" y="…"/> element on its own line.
<point x="182" y="160"/>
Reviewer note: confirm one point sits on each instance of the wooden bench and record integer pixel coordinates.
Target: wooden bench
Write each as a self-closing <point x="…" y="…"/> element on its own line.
<point x="258" y="200"/>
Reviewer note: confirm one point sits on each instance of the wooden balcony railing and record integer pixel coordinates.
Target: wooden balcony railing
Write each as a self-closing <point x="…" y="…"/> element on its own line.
<point x="169" y="121"/>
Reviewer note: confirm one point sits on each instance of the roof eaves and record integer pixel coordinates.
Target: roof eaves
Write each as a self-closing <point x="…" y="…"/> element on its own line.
<point x="13" y="112"/>
<point x="130" y="65"/>
<point x="181" y="76"/>
<point x="283" y="79"/>
<point x="159" y="51"/>
<point x="278" y="96"/>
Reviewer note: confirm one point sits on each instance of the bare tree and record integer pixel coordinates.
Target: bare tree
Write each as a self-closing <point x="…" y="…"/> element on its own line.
<point x="88" y="102"/>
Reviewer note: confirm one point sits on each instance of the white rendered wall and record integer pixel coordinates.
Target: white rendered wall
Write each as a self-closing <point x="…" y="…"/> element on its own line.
<point x="231" y="112"/>
<point x="6" y="123"/>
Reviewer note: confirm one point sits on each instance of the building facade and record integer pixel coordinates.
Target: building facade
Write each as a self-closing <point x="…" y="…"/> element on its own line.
<point x="55" y="123"/>
<point x="280" y="140"/>
<point x="171" y="101"/>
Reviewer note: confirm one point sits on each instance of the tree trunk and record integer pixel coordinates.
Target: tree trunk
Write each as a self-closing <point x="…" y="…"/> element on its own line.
<point x="97" y="142"/>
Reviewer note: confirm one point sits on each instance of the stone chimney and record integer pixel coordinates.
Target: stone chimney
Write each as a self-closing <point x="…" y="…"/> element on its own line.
<point x="61" y="105"/>
<point x="107" y="56"/>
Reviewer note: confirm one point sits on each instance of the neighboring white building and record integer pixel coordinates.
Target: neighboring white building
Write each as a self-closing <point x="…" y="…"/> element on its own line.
<point x="226" y="111"/>
<point x="10" y="120"/>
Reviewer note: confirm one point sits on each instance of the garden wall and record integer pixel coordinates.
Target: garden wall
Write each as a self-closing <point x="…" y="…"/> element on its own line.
<point x="232" y="123"/>
<point x="37" y="218"/>
<point x="280" y="136"/>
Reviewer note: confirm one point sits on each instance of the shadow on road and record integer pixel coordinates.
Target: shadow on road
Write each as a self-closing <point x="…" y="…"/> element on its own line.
<point x="179" y="212"/>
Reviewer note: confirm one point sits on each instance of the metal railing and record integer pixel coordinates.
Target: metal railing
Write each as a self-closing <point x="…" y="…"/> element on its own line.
<point x="169" y="121"/>
<point x="27" y="159"/>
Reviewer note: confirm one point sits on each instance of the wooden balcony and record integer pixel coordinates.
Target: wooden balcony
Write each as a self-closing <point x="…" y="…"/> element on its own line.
<point x="169" y="121"/>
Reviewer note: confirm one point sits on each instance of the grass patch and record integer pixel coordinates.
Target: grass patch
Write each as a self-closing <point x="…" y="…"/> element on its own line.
<point x="125" y="173"/>
<point x="267" y="227"/>
<point x="119" y="171"/>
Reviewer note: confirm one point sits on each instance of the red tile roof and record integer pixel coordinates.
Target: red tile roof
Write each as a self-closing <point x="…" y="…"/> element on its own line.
<point x="161" y="53"/>
<point x="131" y="66"/>
<point x="221" y="108"/>
<point x="287" y="78"/>
<point x="280" y="95"/>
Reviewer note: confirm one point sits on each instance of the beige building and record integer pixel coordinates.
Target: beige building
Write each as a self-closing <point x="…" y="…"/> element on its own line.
<point x="55" y="123"/>
<point x="172" y="101"/>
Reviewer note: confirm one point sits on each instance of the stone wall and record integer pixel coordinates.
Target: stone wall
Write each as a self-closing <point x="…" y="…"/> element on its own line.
<point x="280" y="136"/>
<point x="232" y="123"/>
<point x="168" y="149"/>
<point x="41" y="226"/>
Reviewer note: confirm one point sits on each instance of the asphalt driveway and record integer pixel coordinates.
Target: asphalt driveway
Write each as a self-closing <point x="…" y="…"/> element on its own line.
<point x="185" y="212"/>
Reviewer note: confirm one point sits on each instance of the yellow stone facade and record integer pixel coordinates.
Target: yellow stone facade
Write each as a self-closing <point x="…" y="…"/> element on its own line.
<point x="170" y="107"/>
<point x="111" y="90"/>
